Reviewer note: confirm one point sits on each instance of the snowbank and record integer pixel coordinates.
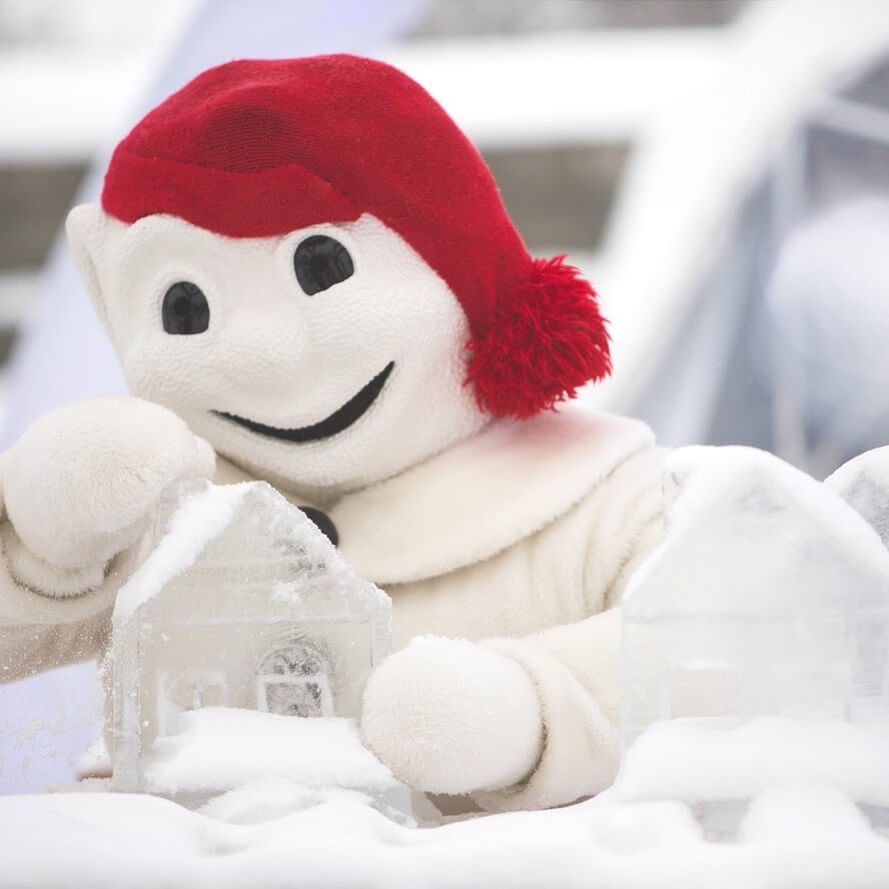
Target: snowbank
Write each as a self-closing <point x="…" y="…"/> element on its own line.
<point x="793" y="838"/>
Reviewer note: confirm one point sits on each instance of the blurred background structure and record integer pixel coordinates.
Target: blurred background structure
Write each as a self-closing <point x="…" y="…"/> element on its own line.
<point x="720" y="169"/>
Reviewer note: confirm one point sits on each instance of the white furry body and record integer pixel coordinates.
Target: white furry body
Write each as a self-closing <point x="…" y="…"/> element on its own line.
<point x="511" y="548"/>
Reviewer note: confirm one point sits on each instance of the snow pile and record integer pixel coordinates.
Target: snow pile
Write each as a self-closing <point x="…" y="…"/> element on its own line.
<point x="274" y="831"/>
<point x="698" y="760"/>
<point x="793" y="838"/>
<point x="221" y="747"/>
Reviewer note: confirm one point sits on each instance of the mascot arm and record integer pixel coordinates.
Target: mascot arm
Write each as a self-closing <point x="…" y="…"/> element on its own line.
<point x="519" y="723"/>
<point x="523" y="722"/>
<point x="574" y="670"/>
<point x="78" y="488"/>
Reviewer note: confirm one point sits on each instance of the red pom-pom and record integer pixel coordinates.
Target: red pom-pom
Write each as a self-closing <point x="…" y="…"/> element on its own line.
<point x="547" y="338"/>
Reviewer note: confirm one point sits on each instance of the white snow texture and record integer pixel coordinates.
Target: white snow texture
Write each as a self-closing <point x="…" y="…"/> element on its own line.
<point x="792" y="837"/>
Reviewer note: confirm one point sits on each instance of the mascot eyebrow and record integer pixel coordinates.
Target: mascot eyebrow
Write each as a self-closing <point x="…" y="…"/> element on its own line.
<point x="339" y="420"/>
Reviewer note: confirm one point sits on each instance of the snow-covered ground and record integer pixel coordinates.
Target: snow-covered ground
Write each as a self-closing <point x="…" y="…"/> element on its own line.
<point x="277" y="833"/>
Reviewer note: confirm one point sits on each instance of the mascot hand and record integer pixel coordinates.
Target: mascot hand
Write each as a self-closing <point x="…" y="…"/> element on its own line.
<point x="452" y="716"/>
<point x="80" y="483"/>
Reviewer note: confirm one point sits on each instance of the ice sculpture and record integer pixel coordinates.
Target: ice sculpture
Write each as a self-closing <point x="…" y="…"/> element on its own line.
<point x="864" y="484"/>
<point x="244" y="604"/>
<point x="764" y="616"/>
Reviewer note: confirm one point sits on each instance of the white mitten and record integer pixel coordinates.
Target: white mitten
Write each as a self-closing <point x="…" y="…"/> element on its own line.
<point x="452" y="716"/>
<point x="79" y="485"/>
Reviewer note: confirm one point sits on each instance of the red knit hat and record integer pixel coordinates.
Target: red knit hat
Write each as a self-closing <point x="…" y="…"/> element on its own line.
<point x="257" y="148"/>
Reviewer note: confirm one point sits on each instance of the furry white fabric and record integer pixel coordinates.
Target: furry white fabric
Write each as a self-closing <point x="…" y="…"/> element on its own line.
<point x="540" y="468"/>
<point x="276" y="356"/>
<point x="513" y="540"/>
<point x="81" y="481"/>
<point x="547" y="571"/>
<point x="451" y="717"/>
<point x="448" y="512"/>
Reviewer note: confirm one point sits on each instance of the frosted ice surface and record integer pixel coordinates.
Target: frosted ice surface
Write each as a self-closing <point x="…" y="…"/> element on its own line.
<point x="203" y="515"/>
<point x="241" y="603"/>
<point x="756" y="639"/>
<point x="864" y="484"/>
<point x="752" y="535"/>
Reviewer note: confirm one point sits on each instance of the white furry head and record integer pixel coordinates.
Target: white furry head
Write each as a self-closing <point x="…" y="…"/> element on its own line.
<point x="319" y="393"/>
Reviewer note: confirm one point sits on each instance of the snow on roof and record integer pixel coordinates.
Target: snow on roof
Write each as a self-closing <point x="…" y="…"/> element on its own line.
<point x="754" y="525"/>
<point x="863" y="483"/>
<point x="873" y="464"/>
<point x="714" y="473"/>
<point x="201" y="517"/>
<point x="201" y="512"/>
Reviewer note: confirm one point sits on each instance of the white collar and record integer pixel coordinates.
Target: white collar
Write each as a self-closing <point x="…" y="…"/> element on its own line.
<point x="479" y="497"/>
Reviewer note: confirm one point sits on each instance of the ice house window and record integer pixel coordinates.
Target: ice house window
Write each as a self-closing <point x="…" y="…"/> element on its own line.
<point x="294" y="680"/>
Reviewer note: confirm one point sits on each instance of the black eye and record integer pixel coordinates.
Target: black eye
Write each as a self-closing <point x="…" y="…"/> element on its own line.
<point x="321" y="262"/>
<point x="185" y="309"/>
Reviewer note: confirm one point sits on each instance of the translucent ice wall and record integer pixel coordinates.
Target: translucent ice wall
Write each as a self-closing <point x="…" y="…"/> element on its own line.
<point x="770" y="596"/>
<point x="242" y="603"/>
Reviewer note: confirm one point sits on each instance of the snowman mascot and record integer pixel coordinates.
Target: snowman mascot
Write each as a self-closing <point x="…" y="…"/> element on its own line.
<point x="309" y="277"/>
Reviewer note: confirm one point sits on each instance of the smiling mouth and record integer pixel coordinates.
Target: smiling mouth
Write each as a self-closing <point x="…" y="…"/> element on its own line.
<point x="340" y="419"/>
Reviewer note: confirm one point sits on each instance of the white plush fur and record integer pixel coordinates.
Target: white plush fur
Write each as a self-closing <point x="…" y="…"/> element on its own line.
<point x="81" y="481"/>
<point x="515" y="540"/>
<point x="490" y="534"/>
<point x="449" y="716"/>
<point x="484" y="494"/>
<point x="274" y="355"/>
